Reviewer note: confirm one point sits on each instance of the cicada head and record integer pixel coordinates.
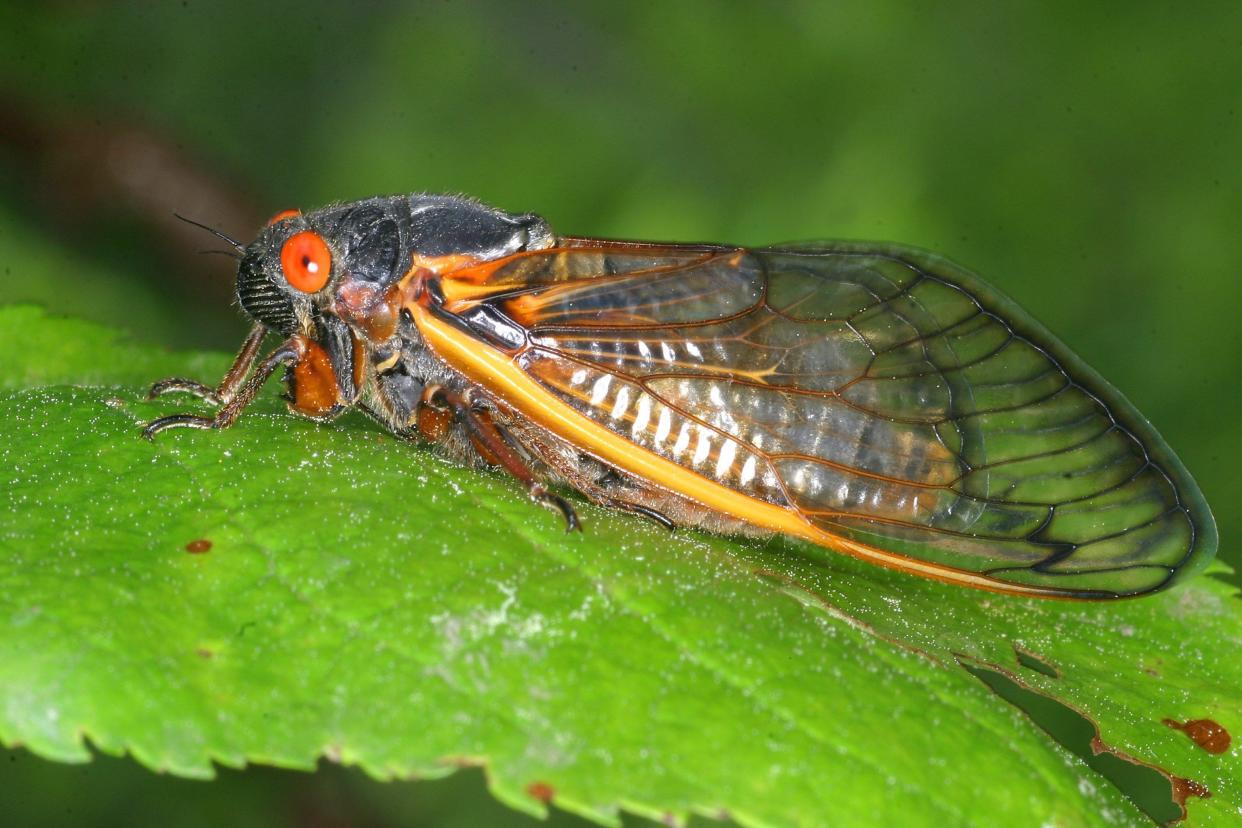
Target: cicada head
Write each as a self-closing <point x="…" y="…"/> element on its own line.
<point x="286" y="273"/>
<point x="338" y="262"/>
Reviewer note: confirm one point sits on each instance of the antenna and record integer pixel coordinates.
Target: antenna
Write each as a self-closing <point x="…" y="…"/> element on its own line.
<point x="213" y="231"/>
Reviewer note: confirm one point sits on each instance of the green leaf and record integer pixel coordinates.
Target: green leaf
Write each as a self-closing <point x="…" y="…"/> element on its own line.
<point x="364" y="600"/>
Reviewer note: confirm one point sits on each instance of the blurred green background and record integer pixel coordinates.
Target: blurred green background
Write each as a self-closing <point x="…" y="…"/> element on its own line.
<point x="1082" y="157"/>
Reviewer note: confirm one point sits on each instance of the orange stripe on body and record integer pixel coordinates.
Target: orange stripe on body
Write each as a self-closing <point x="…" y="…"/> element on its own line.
<point x="500" y="376"/>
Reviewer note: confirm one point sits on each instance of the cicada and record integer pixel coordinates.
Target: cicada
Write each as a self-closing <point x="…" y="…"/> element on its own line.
<point x="873" y="399"/>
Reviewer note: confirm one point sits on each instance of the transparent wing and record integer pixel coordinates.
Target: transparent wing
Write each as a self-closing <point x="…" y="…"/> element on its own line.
<point x="883" y="394"/>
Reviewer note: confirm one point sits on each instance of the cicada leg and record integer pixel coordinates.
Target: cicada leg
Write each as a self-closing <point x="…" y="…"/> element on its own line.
<point x="598" y="494"/>
<point x="224" y="392"/>
<point x="290" y="352"/>
<point x="490" y="441"/>
<point x="597" y="482"/>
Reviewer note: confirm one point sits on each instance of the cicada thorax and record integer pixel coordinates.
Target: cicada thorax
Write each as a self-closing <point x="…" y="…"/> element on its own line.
<point x="333" y="281"/>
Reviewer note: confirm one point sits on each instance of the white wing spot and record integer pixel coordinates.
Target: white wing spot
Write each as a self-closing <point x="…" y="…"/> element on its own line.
<point x="643" y="349"/>
<point x="694" y="350"/>
<point x="748" y="471"/>
<point x="600" y="389"/>
<point x="622" y="403"/>
<point x="578" y="377"/>
<point x="704" y="447"/>
<point x="643" y="417"/>
<point x="727" y="452"/>
<point x="665" y="425"/>
<point x="683" y="439"/>
<point x="667" y="351"/>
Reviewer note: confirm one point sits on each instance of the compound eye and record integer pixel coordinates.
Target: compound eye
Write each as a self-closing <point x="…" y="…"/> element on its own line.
<point x="306" y="260"/>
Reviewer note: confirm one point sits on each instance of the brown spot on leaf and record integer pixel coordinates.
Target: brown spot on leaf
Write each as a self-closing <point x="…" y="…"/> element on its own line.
<point x="1183" y="788"/>
<point x="1205" y="733"/>
<point x="541" y="791"/>
<point x="205" y="652"/>
<point x="198" y="547"/>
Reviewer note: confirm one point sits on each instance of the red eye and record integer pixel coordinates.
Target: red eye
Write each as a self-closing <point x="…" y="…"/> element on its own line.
<point x="282" y="215"/>
<point x="306" y="260"/>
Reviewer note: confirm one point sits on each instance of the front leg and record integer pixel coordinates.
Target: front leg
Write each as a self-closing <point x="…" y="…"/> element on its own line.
<point x="290" y="352"/>
<point x="224" y="392"/>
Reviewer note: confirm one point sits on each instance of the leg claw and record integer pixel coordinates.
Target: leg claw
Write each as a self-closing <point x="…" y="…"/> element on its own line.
<point x="176" y="420"/>
<point x="176" y="384"/>
<point x="560" y="504"/>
